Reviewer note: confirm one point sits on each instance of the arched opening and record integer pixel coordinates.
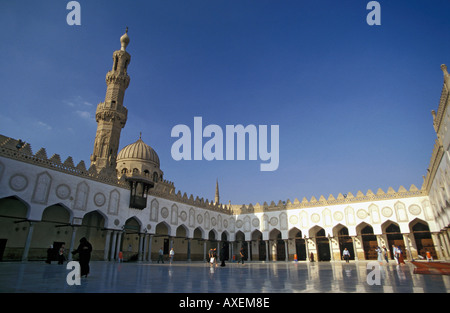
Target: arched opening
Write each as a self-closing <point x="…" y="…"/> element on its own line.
<point x="345" y="241"/>
<point x="161" y="236"/>
<point x="300" y="245"/>
<point x="92" y="228"/>
<point x="323" y="246"/>
<point x="260" y="245"/>
<point x="423" y="239"/>
<point x="53" y="230"/>
<point x="369" y="242"/>
<point x="278" y="249"/>
<point x="240" y="243"/>
<point x="13" y="228"/>
<point x="395" y="238"/>
<point x="130" y="239"/>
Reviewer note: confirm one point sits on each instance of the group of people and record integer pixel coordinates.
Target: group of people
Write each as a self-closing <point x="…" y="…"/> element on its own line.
<point x="161" y="255"/>
<point x="84" y="251"/>
<point x="212" y="256"/>
<point x="383" y="254"/>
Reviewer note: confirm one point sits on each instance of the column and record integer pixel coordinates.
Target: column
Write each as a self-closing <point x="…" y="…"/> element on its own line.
<point x="204" y="250"/>
<point x="408" y="254"/>
<point x="307" y="249"/>
<point x="444" y="242"/>
<point x="437" y="245"/>
<point x="140" y="254"/>
<point x="72" y="243"/>
<point x="28" y="241"/>
<point x="286" y="250"/>
<point x="330" y="243"/>
<point x="144" y="252"/>
<point x="113" y="246"/>
<point x="355" y="247"/>
<point x="150" y="239"/>
<point x="189" y="250"/>
<point x="249" y="252"/>
<point x="119" y="242"/>
<point x="107" y="242"/>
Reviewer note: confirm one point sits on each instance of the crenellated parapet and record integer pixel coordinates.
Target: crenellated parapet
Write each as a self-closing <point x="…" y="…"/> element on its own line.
<point x="21" y="151"/>
<point x="348" y="198"/>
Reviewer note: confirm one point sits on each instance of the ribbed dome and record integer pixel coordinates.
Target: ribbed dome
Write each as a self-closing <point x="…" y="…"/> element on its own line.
<point x="138" y="151"/>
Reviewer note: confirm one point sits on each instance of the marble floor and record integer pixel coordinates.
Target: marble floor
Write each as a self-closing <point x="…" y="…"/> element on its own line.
<point x="198" y="277"/>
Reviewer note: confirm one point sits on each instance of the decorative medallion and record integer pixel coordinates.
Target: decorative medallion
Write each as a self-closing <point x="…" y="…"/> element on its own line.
<point x="293" y="219"/>
<point x="338" y="216"/>
<point x="199" y="219"/>
<point x="414" y="209"/>
<point x="255" y="222"/>
<point x="362" y="214"/>
<point x="99" y="199"/>
<point x="225" y="223"/>
<point x="239" y="223"/>
<point x="315" y="218"/>
<point x="164" y="212"/>
<point x="18" y="182"/>
<point x="273" y="221"/>
<point x="183" y="216"/>
<point x="213" y="221"/>
<point x="387" y="212"/>
<point x="116" y="222"/>
<point x="63" y="191"/>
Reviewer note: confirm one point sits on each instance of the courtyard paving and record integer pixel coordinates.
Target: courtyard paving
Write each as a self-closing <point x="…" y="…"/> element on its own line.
<point x="199" y="277"/>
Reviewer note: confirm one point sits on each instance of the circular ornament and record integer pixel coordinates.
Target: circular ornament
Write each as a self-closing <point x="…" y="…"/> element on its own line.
<point x="164" y="212"/>
<point x="414" y="209"/>
<point x="315" y="218"/>
<point x="18" y="182"/>
<point x="338" y="216"/>
<point x="99" y="199"/>
<point x="387" y="212"/>
<point x="63" y="191"/>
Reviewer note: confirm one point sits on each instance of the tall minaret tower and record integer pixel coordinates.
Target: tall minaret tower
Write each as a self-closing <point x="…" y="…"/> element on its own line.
<point x="111" y="115"/>
<point x="217" y="198"/>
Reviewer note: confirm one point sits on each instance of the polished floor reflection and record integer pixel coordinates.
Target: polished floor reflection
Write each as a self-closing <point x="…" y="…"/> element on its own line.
<point x="276" y="277"/>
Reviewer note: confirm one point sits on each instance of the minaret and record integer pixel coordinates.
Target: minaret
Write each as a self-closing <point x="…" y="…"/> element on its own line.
<point x="111" y="115"/>
<point x="217" y="198"/>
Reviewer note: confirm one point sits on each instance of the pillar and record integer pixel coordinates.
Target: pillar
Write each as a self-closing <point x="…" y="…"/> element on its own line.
<point x="72" y="242"/>
<point x="28" y="241"/>
<point x="140" y="254"/>
<point x="118" y="243"/>
<point x="107" y="244"/>
<point x="267" y="250"/>
<point x="286" y="250"/>
<point x="355" y="247"/>
<point x="437" y="246"/>
<point x="250" y="250"/>
<point x="113" y="246"/>
<point x="144" y="252"/>
<point x="189" y="250"/>
<point x="150" y="239"/>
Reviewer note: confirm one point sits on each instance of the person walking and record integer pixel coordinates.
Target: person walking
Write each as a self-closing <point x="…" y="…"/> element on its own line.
<point x="346" y="255"/>
<point x="380" y="255"/>
<point x="400" y="256"/>
<point x="84" y="250"/>
<point x="61" y="257"/>
<point x="385" y="253"/>
<point x="241" y="255"/>
<point x="161" y="255"/>
<point x="394" y="251"/>
<point x="171" y="255"/>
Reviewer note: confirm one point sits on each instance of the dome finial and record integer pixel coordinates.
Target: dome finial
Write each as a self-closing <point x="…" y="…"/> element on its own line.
<point x="124" y="40"/>
<point x="140" y="135"/>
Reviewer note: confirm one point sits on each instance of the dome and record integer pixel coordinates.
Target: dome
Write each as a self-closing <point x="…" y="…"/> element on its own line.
<point x="138" y="151"/>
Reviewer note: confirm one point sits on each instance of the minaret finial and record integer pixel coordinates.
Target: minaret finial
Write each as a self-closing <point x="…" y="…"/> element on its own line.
<point x="140" y="135"/>
<point x="217" y="198"/>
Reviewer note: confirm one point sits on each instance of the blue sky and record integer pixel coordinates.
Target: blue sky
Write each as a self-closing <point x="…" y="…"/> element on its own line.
<point x="352" y="101"/>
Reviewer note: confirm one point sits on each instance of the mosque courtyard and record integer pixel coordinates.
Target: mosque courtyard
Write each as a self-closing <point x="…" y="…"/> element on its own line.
<point x="198" y="277"/>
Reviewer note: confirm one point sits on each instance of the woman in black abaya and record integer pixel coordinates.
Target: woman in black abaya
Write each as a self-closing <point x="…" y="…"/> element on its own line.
<point x="84" y="250"/>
